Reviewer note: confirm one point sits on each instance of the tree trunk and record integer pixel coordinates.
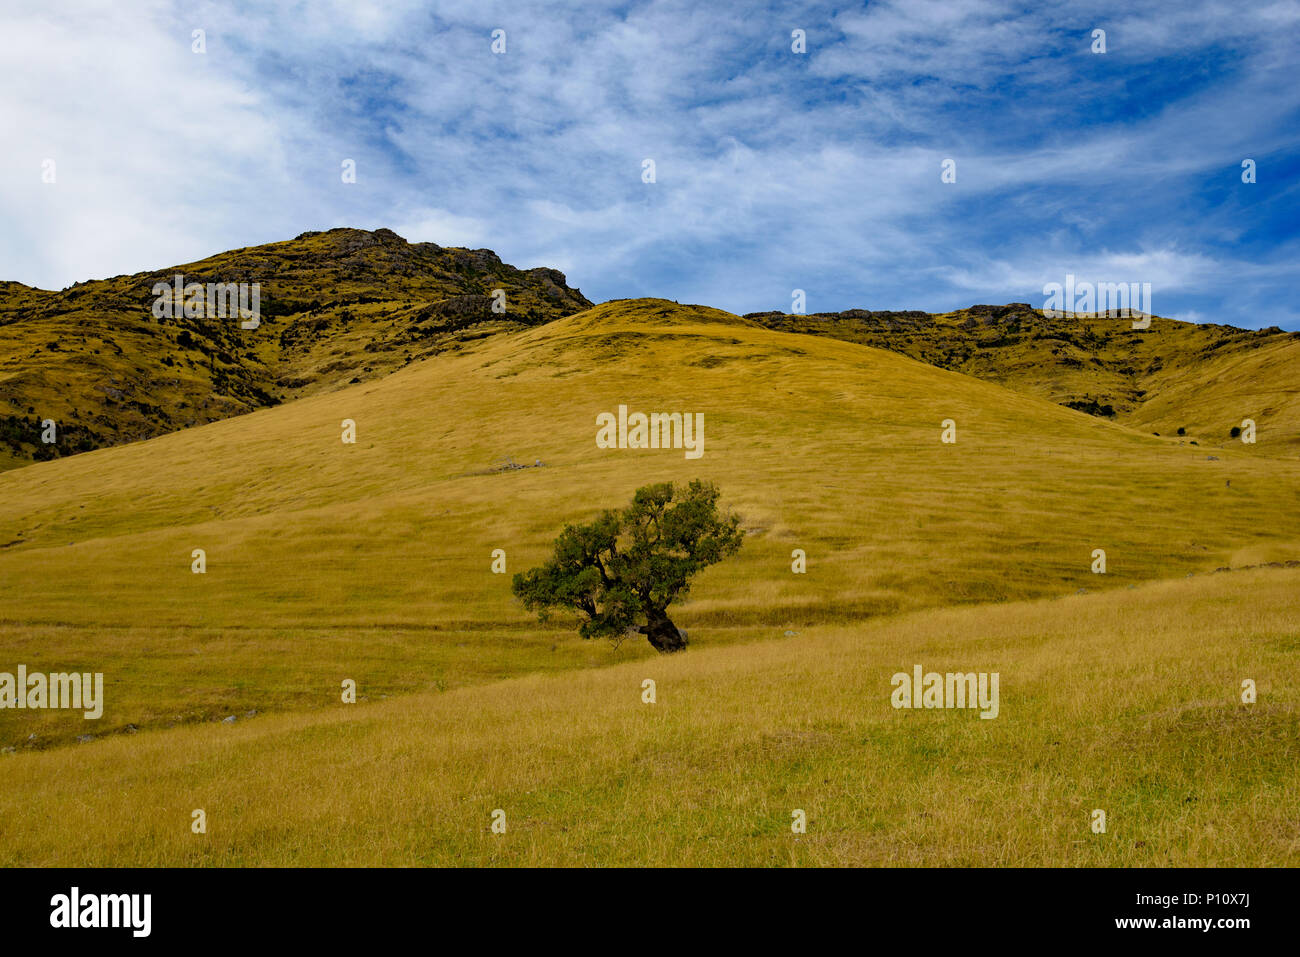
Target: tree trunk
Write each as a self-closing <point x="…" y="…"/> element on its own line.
<point x="663" y="634"/>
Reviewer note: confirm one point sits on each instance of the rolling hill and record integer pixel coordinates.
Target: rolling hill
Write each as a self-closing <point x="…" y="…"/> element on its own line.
<point x="372" y="560"/>
<point x="348" y="306"/>
<point x="337" y="307"/>
<point x="1203" y="378"/>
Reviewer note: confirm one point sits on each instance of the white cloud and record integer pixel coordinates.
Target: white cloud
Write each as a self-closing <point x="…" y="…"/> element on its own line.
<point x="774" y="170"/>
<point x="444" y="228"/>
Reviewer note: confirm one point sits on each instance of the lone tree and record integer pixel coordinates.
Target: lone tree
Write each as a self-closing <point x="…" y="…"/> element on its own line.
<point x="630" y="564"/>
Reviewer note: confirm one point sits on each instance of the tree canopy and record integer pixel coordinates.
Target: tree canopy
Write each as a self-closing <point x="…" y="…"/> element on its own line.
<point x="622" y="571"/>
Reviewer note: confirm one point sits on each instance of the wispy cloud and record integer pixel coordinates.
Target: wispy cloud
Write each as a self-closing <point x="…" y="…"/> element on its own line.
<point x="774" y="170"/>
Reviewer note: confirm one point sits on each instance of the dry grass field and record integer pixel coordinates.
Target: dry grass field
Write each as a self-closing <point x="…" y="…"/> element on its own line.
<point x="371" y="561"/>
<point x="1125" y="702"/>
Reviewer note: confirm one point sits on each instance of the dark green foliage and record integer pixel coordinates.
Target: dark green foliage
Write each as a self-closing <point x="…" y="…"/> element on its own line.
<point x="23" y="436"/>
<point x="1091" y="406"/>
<point x="623" y="570"/>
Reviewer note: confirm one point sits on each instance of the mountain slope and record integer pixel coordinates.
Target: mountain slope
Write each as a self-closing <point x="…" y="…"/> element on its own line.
<point x="1201" y="377"/>
<point x="337" y="307"/>
<point x="372" y="561"/>
<point x="348" y="306"/>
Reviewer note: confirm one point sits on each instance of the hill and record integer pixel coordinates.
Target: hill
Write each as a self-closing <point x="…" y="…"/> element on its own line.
<point x="336" y="308"/>
<point x="1203" y="378"/>
<point x="371" y="561"/>
<point x="348" y="306"/>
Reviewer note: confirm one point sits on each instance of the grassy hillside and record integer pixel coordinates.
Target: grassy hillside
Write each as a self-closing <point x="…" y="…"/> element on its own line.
<point x="371" y="561"/>
<point x="1126" y="702"/>
<point x="348" y="306"/>
<point x="1202" y="378"/>
<point x="337" y="307"/>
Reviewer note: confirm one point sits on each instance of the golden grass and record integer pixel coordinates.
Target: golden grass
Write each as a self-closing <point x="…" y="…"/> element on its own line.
<point x="1126" y="701"/>
<point x="371" y="561"/>
<point x="1210" y="398"/>
<point x="339" y="306"/>
<point x="1203" y="378"/>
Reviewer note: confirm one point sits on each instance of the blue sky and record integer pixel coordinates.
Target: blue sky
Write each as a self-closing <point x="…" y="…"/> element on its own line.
<point x="775" y="171"/>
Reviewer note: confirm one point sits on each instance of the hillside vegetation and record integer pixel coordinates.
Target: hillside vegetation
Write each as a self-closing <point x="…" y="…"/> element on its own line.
<point x="372" y="561"/>
<point x="1125" y="702"/>
<point x="348" y="306"/>
<point x="337" y="307"/>
<point x="1203" y="378"/>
